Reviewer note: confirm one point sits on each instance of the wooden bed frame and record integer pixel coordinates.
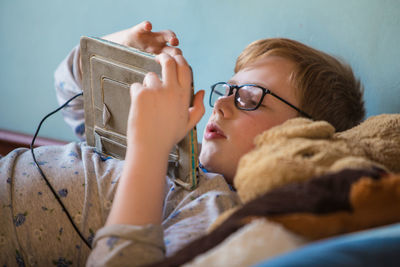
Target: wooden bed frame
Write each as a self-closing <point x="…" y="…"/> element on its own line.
<point x="10" y="140"/>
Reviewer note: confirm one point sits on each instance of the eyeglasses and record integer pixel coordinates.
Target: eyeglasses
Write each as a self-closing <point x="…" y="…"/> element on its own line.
<point x="247" y="97"/>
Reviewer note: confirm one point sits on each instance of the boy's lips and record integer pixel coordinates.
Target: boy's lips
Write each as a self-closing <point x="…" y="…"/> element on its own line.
<point x="213" y="132"/>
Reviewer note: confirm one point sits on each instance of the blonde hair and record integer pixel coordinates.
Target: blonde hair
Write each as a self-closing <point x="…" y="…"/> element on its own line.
<point x="325" y="86"/>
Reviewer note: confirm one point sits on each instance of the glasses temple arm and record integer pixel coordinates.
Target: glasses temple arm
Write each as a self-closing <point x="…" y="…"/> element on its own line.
<point x="291" y="105"/>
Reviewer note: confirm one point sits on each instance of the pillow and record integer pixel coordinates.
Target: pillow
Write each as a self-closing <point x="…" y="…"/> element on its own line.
<point x="377" y="247"/>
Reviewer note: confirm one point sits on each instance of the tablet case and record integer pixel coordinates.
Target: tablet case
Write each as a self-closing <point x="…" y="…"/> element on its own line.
<point x="108" y="70"/>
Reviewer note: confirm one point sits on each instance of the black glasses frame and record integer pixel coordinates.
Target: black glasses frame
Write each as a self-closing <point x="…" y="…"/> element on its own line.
<point x="265" y="92"/>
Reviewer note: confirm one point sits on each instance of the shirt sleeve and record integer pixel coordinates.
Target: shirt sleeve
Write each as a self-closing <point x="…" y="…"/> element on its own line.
<point x="127" y="245"/>
<point x="68" y="82"/>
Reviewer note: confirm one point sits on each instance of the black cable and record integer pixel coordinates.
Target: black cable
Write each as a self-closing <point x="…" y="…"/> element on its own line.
<point x="45" y="178"/>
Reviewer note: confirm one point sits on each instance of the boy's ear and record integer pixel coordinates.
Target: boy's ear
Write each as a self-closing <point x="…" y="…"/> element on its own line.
<point x="297" y="128"/>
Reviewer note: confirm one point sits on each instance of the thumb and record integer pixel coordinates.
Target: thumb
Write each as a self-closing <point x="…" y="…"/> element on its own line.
<point x="197" y="111"/>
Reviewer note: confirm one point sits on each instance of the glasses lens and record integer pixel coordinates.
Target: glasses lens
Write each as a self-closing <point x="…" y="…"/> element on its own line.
<point x="218" y="91"/>
<point x="248" y="97"/>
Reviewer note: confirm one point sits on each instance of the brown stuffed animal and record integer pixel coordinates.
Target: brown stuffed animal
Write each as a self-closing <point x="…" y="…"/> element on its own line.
<point x="300" y="149"/>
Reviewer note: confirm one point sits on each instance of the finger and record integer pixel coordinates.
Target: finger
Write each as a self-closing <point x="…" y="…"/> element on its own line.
<point x="151" y="80"/>
<point x="148" y="26"/>
<point x="144" y="26"/>
<point x="168" y="69"/>
<point x="168" y="36"/>
<point x="184" y="71"/>
<point x="171" y="50"/>
<point x="174" y="41"/>
<point x="197" y="111"/>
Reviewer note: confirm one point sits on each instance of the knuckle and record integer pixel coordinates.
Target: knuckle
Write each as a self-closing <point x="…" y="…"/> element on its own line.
<point x="177" y="51"/>
<point x="180" y="60"/>
<point x="169" y="61"/>
<point x="135" y="86"/>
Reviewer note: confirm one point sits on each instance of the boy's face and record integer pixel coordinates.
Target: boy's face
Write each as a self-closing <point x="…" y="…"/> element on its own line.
<point x="230" y="132"/>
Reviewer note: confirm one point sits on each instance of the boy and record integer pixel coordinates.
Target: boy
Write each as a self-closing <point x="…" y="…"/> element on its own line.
<point x="148" y="212"/>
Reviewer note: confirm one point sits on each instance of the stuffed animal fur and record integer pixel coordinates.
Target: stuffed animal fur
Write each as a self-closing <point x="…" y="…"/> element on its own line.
<point x="300" y="149"/>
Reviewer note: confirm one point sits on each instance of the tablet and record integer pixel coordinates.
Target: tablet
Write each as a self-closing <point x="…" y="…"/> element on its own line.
<point x="108" y="70"/>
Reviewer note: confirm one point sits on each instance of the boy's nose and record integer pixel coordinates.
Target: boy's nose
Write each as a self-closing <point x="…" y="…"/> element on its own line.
<point x="225" y="106"/>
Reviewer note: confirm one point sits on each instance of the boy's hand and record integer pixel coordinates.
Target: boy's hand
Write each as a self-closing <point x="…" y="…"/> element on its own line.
<point x="160" y="115"/>
<point x="141" y="37"/>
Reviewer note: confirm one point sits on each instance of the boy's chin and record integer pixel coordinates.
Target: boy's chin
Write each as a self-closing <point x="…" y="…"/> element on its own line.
<point x="215" y="166"/>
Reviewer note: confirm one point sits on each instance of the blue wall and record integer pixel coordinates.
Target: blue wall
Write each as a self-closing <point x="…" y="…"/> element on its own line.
<point x="36" y="35"/>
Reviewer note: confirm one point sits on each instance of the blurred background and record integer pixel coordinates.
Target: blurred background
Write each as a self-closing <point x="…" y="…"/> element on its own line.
<point x="35" y="36"/>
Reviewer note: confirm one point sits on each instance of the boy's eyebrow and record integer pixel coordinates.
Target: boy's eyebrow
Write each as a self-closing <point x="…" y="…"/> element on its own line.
<point x="235" y="83"/>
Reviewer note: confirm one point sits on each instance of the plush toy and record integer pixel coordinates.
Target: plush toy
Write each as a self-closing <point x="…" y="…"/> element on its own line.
<point x="313" y="182"/>
<point x="300" y="149"/>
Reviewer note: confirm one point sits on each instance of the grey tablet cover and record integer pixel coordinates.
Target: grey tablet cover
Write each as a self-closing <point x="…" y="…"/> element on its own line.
<point x="108" y="71"/>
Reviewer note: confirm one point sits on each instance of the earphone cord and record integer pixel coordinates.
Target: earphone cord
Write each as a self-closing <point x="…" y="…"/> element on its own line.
<point x="44" y="176"/>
